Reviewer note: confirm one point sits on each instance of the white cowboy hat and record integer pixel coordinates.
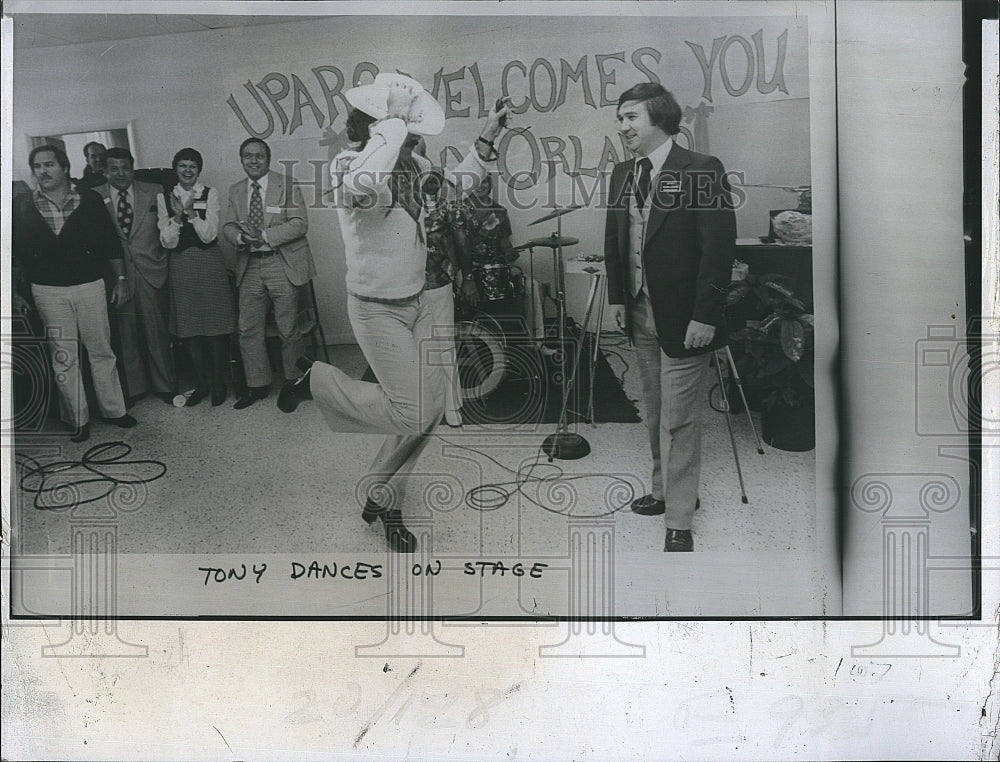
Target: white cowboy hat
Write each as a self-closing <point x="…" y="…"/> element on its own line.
<point x="426" y="116"/>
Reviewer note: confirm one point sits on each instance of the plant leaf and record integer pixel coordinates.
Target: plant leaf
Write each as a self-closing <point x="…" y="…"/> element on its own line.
<point x="793" y="337"/>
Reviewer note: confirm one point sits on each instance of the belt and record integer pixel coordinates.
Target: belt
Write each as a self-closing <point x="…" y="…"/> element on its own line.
<point x="260" y="253"/>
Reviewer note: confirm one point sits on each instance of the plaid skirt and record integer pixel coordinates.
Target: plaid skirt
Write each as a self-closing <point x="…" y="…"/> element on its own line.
<point x="201" y="295"/>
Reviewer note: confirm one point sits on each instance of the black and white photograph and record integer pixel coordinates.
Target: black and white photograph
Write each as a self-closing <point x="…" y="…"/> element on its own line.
<point x="427" y="300"/>
<point x="584" y="321"/>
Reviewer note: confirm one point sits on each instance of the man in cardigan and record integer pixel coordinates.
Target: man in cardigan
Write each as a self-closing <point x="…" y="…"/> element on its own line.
<point x="669" y="244"/>
<point x="132" y="207"/>
<point x="61" y="240"/>
<point x="266" y="222"/>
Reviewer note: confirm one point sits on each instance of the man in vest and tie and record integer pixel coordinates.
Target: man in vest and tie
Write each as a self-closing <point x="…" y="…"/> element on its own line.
<point x="266" y="222"/>
<point x="670" y="240"/>
<point x="146" y="360"/>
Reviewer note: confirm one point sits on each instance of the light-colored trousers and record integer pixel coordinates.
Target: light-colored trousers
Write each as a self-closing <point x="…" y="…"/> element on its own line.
<point x="672" y="397"/>
<point x="442" y="306"/>
<point x="408" y="400"/>
<point x="75" y="315"/>
<point x="265" y="282"/>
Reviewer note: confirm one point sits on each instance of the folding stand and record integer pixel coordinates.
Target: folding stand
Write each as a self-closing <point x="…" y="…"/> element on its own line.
<point x="729" y="418"/>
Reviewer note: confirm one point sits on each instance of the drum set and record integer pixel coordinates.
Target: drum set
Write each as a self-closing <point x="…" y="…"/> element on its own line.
<point x="483" y="354"/>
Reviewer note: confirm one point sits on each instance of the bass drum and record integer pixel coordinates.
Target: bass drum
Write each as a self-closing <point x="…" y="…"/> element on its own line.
<point x="482" y="356"/>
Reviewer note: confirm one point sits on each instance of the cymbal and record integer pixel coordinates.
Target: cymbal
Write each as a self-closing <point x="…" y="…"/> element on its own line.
<point x="553" y="242"/>
<point x="556" y="213"/>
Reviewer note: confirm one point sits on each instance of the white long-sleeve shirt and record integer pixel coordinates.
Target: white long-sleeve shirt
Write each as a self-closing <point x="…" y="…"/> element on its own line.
<point x="207" y="229"/>
<point x="385" y="253"/>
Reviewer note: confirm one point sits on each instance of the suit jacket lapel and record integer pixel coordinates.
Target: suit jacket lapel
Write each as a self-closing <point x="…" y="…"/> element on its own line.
<point x="621" y="201"/>
<point x="275" y="193"/>
<point x="242" y="199"/>
<point x="663" y="204"/>
<point x="111" y="204"/>
<point x="140" y="204"/>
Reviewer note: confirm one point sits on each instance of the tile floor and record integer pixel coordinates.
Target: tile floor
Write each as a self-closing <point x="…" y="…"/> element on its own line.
<point x="258" y="480"/>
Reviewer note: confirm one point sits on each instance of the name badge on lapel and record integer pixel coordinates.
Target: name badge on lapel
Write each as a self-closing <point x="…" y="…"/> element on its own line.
<point x="274" y="210"/>
<point x="668" y="185"/>
<point x="199" y="205"/>
<point x="107" y="201"/>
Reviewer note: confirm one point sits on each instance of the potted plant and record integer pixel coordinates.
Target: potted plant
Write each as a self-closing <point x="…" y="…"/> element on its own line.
<point x="776" y="363"/>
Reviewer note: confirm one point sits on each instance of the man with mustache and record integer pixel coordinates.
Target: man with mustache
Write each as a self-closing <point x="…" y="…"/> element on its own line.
<point x="62" y="238"/>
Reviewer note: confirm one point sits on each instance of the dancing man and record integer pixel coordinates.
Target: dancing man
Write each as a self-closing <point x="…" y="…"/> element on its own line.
<point x="384" y="242"/>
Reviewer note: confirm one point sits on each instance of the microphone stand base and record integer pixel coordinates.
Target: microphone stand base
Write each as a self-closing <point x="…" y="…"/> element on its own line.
<point x="564" y="445"/>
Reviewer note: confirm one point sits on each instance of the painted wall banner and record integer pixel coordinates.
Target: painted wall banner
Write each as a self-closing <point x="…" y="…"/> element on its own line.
<point x="310" y="100"/>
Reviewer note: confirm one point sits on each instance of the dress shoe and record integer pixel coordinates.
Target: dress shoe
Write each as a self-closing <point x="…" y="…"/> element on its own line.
<point x="123" y="422"/>
<point x="196" y="396"/>
<point x="167" y="397"/>
<point x="82" y="434"/>
<point x="294" y="392"/>
<point x="400" y="539"/>
<point x="647" y="505"/>
<point x="253" y="394"/>
<point x="678" y="540"/>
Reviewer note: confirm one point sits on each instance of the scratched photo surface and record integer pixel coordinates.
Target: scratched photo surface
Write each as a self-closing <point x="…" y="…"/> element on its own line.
<point x="254" y="512"/>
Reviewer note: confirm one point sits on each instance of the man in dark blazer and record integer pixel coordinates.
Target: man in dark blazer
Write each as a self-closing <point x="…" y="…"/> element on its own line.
<point x="669" y="244"/>
<point x="266" y="222"/>
<point x="142" y="317"/>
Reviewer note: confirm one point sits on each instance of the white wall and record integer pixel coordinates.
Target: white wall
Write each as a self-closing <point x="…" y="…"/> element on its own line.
<point x="174" y="90"/>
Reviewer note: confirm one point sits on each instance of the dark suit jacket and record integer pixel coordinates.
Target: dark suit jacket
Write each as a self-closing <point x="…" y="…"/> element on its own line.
<point x="284" y="220"/>
<point x="688" y="250"/>
<point x="143" y="253"/>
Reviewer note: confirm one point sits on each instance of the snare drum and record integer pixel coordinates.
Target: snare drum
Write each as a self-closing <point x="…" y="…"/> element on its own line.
<point x="493" y="281"/>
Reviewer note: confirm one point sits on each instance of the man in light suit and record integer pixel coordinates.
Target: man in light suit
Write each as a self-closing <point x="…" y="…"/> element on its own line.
<point x="142" y="319"/>
<point x="669" y="244"/>
<point x="266" y="222"/>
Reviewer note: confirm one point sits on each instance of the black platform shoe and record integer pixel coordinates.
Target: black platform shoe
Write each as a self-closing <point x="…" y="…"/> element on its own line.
<point x="294" y="392"/>
<point x="400" y="539"/>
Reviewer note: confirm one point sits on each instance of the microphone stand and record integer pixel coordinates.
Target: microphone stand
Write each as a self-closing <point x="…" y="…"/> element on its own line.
<point x="563" y="444"/>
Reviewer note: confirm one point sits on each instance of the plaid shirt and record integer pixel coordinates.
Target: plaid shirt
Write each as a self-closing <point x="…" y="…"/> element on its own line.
<point x="53" y="214"/>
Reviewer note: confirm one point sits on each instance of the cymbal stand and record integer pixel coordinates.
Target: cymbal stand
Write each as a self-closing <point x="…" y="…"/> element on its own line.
<point x="563" y="444"/>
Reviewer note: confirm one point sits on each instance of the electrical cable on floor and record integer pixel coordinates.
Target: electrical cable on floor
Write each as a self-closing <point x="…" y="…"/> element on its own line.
<point x="711" y="397"/>
<point x="493" y="496"/>
<point x="95" y="460"/>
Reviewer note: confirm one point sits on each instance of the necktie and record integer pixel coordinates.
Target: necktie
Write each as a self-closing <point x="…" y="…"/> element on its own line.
<point x="256" y="216"/>
<point x="124" y="213"/>
<point x="644" y="182"/>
